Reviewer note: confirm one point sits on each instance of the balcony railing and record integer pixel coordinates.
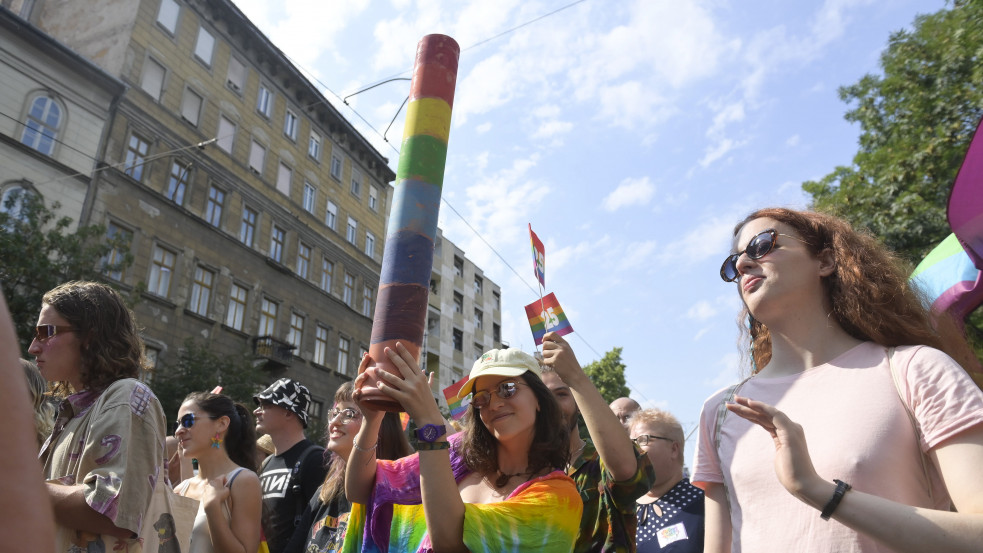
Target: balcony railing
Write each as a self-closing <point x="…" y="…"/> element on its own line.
<point x="275" y="352"/>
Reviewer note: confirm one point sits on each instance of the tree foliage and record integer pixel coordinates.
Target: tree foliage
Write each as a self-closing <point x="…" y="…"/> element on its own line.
<point x="199" y="369"/>
<point x="38" y="253"/>
<point x="608" y="375"/>
<point x="916" y="122"/>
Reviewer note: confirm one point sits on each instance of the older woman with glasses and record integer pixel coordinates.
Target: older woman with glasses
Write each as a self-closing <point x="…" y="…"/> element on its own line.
<point x="105" y="454"/>
<point x="841" y="345"/>
<point x="498" y="485"/>
<point x="323" y="523"/>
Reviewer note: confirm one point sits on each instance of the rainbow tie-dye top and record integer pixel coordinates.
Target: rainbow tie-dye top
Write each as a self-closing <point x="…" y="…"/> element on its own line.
<point x="541" y="516"/>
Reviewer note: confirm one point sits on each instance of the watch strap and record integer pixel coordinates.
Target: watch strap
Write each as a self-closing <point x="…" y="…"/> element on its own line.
<point x="834" y="502"/>
<point x="432" y="446"/>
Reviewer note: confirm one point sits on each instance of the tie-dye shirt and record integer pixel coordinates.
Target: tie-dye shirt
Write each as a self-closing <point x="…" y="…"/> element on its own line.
<point x="112" y="443"/>
<point x="541" y="516"/>
<point x="609" y="507"/>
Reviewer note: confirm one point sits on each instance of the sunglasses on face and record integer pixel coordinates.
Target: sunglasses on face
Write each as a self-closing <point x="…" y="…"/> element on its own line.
<point x="188" y="420"/>
<point x="760" y="245"/>
<point x="646" y="439"/>
<point x="43" y="332"/>
<point x="505" y="390"/>
<point x="347" y="414"/>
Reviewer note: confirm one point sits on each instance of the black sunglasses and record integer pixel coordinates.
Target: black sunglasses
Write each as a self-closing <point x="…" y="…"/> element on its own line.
<point x="760" y="245"/>
<point x="646" y="439"/>
<point x="505" y="390"/>
<point x="43" y="332"/>
<point x="188" y="420"/>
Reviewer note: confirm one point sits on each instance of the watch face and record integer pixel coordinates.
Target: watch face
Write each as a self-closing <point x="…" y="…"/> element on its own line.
<point x="429" y="432"/>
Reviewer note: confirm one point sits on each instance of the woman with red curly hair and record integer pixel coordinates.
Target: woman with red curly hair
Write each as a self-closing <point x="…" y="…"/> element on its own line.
<point x="845" y="359"/>
<point x="106" y="453"/>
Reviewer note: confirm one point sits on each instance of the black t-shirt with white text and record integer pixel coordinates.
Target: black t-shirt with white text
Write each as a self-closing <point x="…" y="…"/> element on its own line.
<point x="280" y="499"/>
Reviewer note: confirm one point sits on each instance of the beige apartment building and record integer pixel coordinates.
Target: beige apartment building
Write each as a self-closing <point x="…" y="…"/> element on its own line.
<point x="255" y="212"/>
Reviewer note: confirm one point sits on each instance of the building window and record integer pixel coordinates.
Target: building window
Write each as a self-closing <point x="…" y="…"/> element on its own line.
<point x="114" y="260"/>
<point x="458" y="340"/>
<point x="267" y="318"/>
<point x="331" y="215"/>
<point x="290" y="125"/>
<point x="167" y="15"/>
<point x="41" y="129"/>
<point x="497" y="298"/>
<point x="303" y="260"/>
<point x="479" y="284"/>
<point x="356" y="183"/>
<point x="310" y="197"/>
<point x="367" y="301"/>
<point x="201" y="290"/>
<point x="136" y="155"/>
<point x="205" y="46"/>
<point x="161" y="269"/>
<point x="237" y="307"/>
<point x="296" y="332"/>
<point x="152" y="80"/>
<point x="264" y="101"/>
<point x="315" y="409"/>
<point x="248" y="226"/>
<point x="314" y="146"/>
<point x="226" y="134"/>
<point x="213" y="211"/>
<point x="152" y="355"/>
<point x="177" y="183"/>
<point x="257" y="157"/>
<point x="479" y="320"/>
<point x="458" y="302"/>
<point x="336" y="167"/>
<point x="496" y="333"/>
<point x="327" y="268"/>
<point x="478" y="350"/>
<point x="349" y="292"/>
<point x="277" y="238"/>
<point x="458" y="267"/>
<point x="283" y="176"/>
<point x="191" y="106"/>
<point x="236" y="77"/>
<point x="373" y="198"/>
<point x="352" y="229"/>
<point x="344" y="346"/>
<point x="12" y="203"/>
<point x="370" y="244"/>
<point x="321" y="345"/>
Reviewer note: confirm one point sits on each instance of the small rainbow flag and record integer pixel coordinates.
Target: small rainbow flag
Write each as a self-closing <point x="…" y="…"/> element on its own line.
<point x="538" y="257"/>
<point x="404" y="419"/>
<point x="546" y="315"/>
<point x="949" y="279"/>
<point x="458" y="406"/>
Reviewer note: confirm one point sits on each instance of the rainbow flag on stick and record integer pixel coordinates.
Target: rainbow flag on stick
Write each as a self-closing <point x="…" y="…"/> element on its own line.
<point x="949" y="279"/>
<point x="546" y="315"/>
<point x="538" y="257"/>
<point x="458" y="406"/>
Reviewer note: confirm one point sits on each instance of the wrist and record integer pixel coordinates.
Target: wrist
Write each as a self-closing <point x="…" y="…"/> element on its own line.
<point x="815" y="492"/>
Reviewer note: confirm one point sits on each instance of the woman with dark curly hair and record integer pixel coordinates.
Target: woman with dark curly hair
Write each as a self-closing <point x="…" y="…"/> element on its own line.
<point x="841" y="345"/>
<point x="108" y="441"/>
<point x="496" y="486"/>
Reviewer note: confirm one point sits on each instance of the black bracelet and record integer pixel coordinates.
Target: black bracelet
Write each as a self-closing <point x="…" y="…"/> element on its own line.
<point x="831" y="505"/>
<point x="428" y="446"/>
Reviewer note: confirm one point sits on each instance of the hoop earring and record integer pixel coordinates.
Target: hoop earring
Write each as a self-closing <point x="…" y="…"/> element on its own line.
<point x="217" y="440"/>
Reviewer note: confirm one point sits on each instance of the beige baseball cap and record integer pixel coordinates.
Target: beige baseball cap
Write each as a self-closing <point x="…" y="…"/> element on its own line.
<point x="500" y="362"/>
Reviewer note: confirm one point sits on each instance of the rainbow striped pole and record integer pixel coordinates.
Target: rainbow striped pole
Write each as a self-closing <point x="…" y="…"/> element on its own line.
<point x="404" y="284"/>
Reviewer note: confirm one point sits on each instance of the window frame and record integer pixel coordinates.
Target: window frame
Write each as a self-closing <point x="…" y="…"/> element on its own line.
<point x="278" y="243"/>
<point x="290" y="124"/>
<point x="245" y="223"/>
<point x="310" y="197"/>
<point x="202" y="283"/>
<point x="162" y="270"/>
<point x="235" y="316"/>
<point x="215" y="206"/>
<point x="211" y="48"/>
<point x="303" y="261"/>
<point x="133" y="167"/>
<point x="177" y="186"/>
<point x="143" y="77"/>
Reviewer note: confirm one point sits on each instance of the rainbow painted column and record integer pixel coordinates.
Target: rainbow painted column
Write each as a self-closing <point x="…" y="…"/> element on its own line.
<point x="404" y="284"/>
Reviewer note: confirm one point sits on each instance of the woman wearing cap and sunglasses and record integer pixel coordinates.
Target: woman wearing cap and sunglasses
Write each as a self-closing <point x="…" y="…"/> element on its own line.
<point x="493" y="487"/>
<point x="841" y="345"/>
<point x="108" y="440"/>
<point x="219" y="433"/>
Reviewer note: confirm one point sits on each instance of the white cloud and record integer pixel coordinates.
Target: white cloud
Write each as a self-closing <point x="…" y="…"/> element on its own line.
<point x="716" y="151"/>
<point x="551" y="129"/>
<point x="701" y="311"/>
<point x="793" y="141"/>
<point x="729" y="372"/>
<point x="483" y="128"/>
<point x="637" y="254"/>
<point x="631" y="192"/>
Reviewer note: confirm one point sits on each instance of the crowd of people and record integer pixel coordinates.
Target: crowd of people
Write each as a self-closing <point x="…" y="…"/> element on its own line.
<point x="856" y="430"/>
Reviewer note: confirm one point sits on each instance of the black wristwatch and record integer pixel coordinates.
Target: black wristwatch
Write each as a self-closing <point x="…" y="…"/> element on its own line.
<point x="430" y="432"/>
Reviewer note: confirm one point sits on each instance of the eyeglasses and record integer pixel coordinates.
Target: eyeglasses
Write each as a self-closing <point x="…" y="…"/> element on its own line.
<point x="43" y="332"/>
<point x="646" y="439"/>
<point x="347" y="414"/>
<point x="188" y="420"/>
<point x="759" y="246"/>
<point x="505" y="390"/>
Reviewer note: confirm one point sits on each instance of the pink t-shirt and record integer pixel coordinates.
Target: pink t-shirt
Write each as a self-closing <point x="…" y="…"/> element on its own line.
<point x="857" y="431"/>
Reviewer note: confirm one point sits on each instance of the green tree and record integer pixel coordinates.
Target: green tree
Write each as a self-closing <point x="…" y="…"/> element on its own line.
<point x="608" y="375"/>
<point x="38" y="253"/>
<point x="200" y="369"/>
<point x="916" y="121"/>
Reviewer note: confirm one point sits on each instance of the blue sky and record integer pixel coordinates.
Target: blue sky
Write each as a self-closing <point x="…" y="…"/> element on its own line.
<point x="632" y="134"/>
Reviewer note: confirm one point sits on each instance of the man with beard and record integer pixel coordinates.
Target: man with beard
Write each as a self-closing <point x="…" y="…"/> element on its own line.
<point x="610" y="472"/>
